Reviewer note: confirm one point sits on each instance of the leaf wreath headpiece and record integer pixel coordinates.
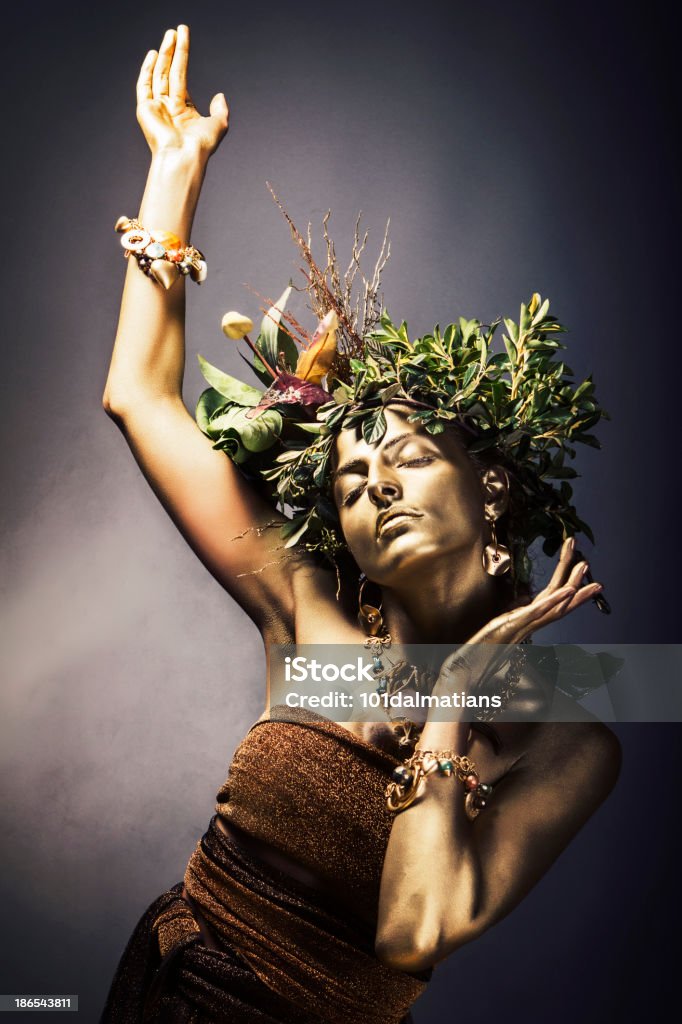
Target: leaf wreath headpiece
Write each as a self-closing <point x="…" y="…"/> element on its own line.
<point x="519" y="407"/>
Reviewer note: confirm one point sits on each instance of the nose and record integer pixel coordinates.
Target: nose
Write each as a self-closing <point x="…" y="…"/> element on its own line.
<point x="384" y="491"/>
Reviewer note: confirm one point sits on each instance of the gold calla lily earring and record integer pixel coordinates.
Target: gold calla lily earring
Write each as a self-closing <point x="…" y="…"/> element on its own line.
<point x="369" y="617"/>
<point x="496" y="557"/>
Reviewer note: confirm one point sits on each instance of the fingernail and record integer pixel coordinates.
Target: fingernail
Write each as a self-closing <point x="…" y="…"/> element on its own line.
<point x="583" y="569"/>
<point x="571" y="544"/>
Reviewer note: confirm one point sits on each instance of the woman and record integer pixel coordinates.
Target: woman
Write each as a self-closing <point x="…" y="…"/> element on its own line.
<point x="309" y="898"/>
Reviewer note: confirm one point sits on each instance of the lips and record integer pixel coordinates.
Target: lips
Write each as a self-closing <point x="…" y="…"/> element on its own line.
<point x="395" y="513"/>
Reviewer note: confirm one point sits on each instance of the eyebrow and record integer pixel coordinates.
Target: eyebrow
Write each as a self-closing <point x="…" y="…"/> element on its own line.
<point x="353" y="464"/>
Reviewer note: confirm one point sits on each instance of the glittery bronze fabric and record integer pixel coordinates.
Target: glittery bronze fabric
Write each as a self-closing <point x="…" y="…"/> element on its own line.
<point x="313" y="791"/>
<point x="288" y="953"/>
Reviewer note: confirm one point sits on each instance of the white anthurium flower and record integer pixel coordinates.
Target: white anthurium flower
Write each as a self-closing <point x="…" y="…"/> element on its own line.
<point x="236" y="325"/>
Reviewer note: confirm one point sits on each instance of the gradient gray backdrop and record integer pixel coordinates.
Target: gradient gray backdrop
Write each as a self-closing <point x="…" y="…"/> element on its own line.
<point x="516" y="147"/>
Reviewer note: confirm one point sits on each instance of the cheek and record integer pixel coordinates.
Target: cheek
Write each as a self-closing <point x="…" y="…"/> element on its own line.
<point x="452" y="495"/>
<point x="354" y="527"/>
<point x="358" y="527"/>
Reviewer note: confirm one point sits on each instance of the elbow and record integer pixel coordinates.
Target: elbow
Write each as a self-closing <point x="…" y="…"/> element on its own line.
<point x="114" y="406"/>
<point x="412" y="950"/>
<point x="405" y="954"/>
<point x="108" y="405"/>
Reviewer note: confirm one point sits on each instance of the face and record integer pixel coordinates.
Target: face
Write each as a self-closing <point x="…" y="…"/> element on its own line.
<point x="410" y="500"/>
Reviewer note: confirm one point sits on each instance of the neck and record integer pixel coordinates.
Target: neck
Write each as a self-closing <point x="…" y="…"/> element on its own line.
<point x="447" y="606"/>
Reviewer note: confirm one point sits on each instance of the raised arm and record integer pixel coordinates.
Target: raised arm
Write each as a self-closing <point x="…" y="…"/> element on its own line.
<point x="148" y="357"/>
<point x="201" y="489"/>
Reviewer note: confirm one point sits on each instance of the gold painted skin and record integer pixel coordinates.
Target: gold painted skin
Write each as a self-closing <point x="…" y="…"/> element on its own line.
<point x="549" y="778"/>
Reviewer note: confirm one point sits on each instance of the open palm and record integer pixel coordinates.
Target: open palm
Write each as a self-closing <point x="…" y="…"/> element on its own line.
<point x="165" y="112"/>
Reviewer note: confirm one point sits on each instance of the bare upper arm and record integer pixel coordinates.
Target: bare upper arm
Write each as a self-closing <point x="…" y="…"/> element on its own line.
<point x="212" y="505"/>
<point x="537" y="809"/>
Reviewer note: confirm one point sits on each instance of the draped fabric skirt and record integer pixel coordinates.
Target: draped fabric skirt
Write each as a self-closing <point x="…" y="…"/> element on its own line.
<point x="288" y="953"/>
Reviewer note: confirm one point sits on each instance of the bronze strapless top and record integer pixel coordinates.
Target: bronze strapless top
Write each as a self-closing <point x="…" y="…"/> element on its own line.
<point x="314" y="791"/>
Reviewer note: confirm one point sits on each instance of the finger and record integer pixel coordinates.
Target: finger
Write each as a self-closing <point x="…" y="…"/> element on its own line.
<point x="548" y="609"/>
<point x="583" y="595"/>
<point x="519" y="622"/>
<point x="143" y="89"/>
<point x="578" y="574"/>
<point x="563" y="565"/>
<point x="543" y="604"/>
<point x="219" y="110"/>
<point x="177" y="80"/>
<point x="568" y="605"/>
<point x="162" y="66"/>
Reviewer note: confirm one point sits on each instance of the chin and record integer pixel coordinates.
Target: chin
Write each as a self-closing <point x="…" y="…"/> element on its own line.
<point x="402" y="559"/>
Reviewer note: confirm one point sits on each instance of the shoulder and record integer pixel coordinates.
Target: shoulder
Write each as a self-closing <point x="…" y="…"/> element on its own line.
<point x="577" y="757"/>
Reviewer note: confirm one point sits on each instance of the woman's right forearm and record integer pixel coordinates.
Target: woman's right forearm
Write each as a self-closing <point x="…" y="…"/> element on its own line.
<point x="149" y="351"/>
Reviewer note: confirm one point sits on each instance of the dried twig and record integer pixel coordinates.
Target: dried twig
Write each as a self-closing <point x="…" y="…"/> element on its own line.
<point x="302" y="337"/>
<point x="327" y="289"/>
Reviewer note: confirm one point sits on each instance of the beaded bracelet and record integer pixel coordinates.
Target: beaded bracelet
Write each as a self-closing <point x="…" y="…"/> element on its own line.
<point x="160" y="254"/>
<point x="407" y="778"/>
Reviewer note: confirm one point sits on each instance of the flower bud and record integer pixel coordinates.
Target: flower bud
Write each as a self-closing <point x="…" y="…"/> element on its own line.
<point x="236" y="325"/>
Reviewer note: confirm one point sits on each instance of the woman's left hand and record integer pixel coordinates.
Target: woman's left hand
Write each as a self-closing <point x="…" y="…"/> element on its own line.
<point x="562" y="595"/>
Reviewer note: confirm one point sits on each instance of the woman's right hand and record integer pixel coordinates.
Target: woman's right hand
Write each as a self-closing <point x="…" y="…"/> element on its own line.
<point x="165" y="112"/>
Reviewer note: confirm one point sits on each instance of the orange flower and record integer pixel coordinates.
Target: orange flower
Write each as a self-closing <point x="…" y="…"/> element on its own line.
<point x="315" y="361"/>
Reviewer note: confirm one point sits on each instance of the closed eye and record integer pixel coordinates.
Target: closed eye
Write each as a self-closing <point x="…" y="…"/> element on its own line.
<point x="357" y="491"/>
<point x="416" y="462"/>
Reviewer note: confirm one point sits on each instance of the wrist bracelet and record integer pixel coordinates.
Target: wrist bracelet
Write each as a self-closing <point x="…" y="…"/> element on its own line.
<point x="407" y="779"/>
<point x="160" y="254"/>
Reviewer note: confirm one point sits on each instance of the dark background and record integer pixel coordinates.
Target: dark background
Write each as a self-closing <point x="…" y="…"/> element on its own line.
<point x="516" y="147"/>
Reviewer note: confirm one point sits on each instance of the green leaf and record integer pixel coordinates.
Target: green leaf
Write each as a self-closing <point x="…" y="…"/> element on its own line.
<point x="321" y="471"/>
<point x="588" y="439"/>
<point x="272" y="339"/>
<point x="551" y="546"/>
<point x="512" y="330"/>
<point x="586" y="388"/>
<point x="541" y="313"/>
<point x="335" y="416"/>
<point x="231" y="445"/>
<point x="390" y="392"/>
<point x="450" y="337"/>
<point x="289" y="455"/>
<point x="210" y="401"/>
<point x="256" y="433"/>
<point x="484" y="442"/>
<point x="342" y="394"/>
<point x="374" y="427"/>
<point x="499" y="393"/>
<point x="229" y="387"/>
<point x="311" y="428"/>
<point x="294" y="530"/>
<point x="469" y="375"/>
